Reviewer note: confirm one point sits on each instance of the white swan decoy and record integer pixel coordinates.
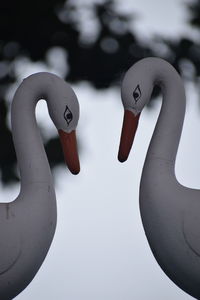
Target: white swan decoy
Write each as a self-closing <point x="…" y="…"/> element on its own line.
<point x="169" y="211"/>
<point x="27" y="224"/>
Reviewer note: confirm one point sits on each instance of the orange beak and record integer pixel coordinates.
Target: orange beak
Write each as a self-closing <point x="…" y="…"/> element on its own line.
<point x="69" y="146"/>
<point x="129" y="128"/>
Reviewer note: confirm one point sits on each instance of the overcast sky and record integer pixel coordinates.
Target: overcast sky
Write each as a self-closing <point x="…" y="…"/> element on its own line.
<point x="167" y="19"/>
<point x="100" y="250"/>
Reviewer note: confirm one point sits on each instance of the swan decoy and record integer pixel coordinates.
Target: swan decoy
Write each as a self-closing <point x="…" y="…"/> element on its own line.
<point x="28" y="223"/>
<point x="169" y="211"/>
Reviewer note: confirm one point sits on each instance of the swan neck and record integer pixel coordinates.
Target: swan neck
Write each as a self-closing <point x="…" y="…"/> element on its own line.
<point x="167" y="133"/>
<point x="31" y="156"/>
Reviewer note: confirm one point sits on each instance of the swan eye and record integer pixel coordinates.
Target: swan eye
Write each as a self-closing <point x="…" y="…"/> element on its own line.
<point x="68" y="115"/>
<point x="137" y="93"/>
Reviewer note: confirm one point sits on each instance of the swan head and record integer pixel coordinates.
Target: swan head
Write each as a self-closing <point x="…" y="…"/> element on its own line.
<point x="64" y="113"/>
<point x="135" y="92"/>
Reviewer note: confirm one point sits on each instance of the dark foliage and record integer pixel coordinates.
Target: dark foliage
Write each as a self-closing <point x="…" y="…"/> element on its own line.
<point x="30" y="28"/>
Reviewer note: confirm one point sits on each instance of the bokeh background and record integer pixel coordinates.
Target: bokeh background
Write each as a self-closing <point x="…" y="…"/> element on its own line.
<point x="99" y="250"/>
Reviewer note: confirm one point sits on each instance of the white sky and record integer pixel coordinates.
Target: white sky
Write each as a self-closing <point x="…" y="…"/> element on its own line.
<point x="100" y="250"/>
<point x="165" y="18"/>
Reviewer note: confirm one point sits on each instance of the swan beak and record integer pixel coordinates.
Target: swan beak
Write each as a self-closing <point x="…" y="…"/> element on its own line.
<point x="129" y="128"/>
<point x="69" y="146"/>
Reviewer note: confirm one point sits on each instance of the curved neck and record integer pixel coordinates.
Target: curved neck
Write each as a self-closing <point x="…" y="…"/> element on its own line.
<point x="31" y="156"/>
<point x="166" y="136"/>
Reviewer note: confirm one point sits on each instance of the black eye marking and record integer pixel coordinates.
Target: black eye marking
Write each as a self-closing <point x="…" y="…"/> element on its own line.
<point x="68" y="115"/>
<point x="137" y="93"/>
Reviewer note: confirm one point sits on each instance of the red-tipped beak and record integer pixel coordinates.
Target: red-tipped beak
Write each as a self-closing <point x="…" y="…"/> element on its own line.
<point x="129" y="128"/>
<point x="69" y="146"/>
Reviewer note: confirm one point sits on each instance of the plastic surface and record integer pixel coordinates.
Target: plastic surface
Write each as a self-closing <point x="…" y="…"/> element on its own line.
<point x="27" y="225"/>
<point x="169" y="211"/>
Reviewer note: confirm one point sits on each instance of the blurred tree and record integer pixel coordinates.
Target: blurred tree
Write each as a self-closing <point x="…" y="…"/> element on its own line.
<point x="97" y="40"/>
<point x="30" y="28"/>
<point x="184" y="53"/>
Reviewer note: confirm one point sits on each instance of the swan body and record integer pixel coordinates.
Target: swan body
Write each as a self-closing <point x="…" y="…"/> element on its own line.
<point x="169" y="211"/>
<point x="27" y="224"/>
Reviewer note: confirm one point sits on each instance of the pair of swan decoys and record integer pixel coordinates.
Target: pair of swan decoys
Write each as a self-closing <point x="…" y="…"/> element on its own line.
<point x="170" y="211"/>
<point x="27" y="225"/>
